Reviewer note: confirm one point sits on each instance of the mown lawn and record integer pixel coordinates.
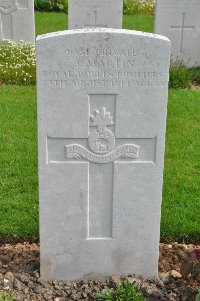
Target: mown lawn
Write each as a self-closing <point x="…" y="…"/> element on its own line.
<point x="50" y="22"/>
<point x="181" y="194"/>
<point x="18" y="173"/>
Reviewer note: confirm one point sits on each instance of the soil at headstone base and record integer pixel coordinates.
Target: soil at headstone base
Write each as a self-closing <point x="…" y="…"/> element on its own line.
<point x="19" y="271"/>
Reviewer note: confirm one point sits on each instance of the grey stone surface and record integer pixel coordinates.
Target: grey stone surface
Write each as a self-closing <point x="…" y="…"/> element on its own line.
<point x="102" y="104"/>
<point x="95" y="13"/>
<point x="179" y="20"/>
<point x="17" y="20"/>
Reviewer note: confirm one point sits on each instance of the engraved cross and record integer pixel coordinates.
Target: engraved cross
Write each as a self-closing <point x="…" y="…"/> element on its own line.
<point x="101" y="151"/>
<point x="7" y="9"/>
<point x="182" y="28"/>
<point x="95" y="25"/>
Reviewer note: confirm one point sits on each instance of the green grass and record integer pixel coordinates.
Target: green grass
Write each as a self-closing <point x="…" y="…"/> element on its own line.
<point x="18" y="173"/>
<point x="50" y="22"/>
<point x="181" y="196"/>
<point x="138" y="22"/>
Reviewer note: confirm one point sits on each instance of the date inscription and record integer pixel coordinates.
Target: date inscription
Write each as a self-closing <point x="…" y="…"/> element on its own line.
<point x="104" y="67"/>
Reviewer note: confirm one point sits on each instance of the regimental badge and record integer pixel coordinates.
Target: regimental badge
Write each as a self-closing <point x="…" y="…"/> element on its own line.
<point x="101" y="142"/>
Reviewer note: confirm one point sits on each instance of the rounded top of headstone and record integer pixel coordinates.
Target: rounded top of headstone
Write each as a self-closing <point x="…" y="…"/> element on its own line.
<point x="103" y="31"/>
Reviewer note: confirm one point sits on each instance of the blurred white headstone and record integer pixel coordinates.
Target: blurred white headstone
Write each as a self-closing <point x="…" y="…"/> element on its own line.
<point x="179" y="20"/>
<point x="95" y="13"/>
<point x="17" y="20"/>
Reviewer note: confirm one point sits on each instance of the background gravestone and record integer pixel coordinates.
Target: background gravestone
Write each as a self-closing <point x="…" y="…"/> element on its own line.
<point x="17" y="20"/>
<point x="95" y="13"/>
<point x="102" y="104"/>
<point x="179" y="20"/>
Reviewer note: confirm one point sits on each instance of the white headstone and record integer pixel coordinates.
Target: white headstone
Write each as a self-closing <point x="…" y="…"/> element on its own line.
<point x="17" y="20"/>
<point x="95" y="13"/>
<point x="179" y="20"/>
<point x="102" y="104"/>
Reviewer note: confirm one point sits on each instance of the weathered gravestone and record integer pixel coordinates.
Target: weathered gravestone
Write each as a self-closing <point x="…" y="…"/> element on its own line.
<point x="95" y="13"/>
<point x="17" y="20"/>
<point x="102" y="103"/>
<point x="179" y="20"/>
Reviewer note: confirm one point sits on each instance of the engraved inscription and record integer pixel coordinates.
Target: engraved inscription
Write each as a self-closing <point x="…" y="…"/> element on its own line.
<point x="104" y="67"/>
<point x="126" y="151"/>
